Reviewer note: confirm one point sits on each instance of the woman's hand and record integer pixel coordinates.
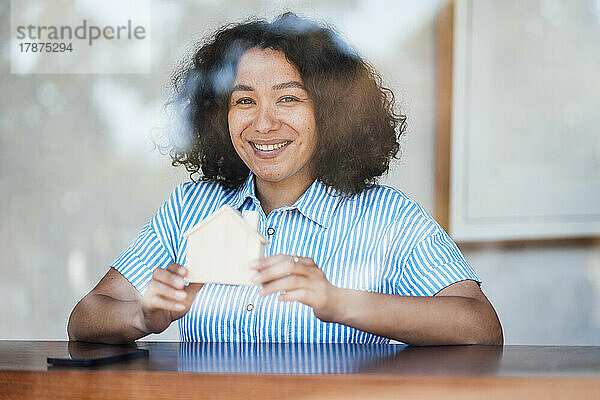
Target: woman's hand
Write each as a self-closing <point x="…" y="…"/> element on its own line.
<point x="167" y="298"/>
<point x="299" y="279"/>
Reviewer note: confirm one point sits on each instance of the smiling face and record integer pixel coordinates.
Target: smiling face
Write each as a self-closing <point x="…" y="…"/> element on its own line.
<point x="271" y="119"/>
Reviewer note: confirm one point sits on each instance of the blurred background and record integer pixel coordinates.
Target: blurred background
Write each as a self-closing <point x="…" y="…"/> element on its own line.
<point x="79" y="174"/>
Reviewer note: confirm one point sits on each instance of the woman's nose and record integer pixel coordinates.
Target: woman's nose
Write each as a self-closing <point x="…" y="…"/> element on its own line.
<point x="266" y="120"/>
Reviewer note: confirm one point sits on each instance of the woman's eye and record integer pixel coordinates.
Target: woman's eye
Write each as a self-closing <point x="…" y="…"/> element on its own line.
<point x="244" y="100"/>
<point x="288" y="99"/>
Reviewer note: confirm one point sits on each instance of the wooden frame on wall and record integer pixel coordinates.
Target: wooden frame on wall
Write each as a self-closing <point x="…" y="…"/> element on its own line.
<point x="443" y="126"/>
<point x="467" y="217"/>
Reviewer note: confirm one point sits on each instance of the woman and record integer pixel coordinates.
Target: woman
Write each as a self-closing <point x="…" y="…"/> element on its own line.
<point x="283" y="118"/>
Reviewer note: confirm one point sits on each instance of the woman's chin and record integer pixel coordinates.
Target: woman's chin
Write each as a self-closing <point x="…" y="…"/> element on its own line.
<point x="273" y="177"/>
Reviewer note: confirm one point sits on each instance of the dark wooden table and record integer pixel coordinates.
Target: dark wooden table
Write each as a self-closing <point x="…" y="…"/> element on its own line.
<point x="304" y="371"/>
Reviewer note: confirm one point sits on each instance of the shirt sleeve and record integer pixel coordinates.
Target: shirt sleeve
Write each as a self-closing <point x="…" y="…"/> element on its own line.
<point x="154" y="247"/>
<point x="434" y="263"/>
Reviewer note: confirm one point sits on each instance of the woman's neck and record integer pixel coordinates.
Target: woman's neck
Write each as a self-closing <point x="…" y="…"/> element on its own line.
<point x="273" y="195"/>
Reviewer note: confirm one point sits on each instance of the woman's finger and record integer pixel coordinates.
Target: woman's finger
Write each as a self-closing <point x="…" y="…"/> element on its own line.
<point x="156" y="302"/>
<point x="168" y="277"/>
<point x="169" y="292"/>
<point x="291" y="282"/>
<point x="262" y="263"/>
<point x="301" y="295"/>
<point x="267" y="262"/>
<point x="177" y="269"/>
<point x="283" y="268"/>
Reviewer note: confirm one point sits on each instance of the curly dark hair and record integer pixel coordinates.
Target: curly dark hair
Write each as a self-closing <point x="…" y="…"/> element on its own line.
<point x="358" y="130"/>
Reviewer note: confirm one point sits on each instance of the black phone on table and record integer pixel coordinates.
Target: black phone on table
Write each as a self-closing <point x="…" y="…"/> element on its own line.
<point x="83" y="354"/>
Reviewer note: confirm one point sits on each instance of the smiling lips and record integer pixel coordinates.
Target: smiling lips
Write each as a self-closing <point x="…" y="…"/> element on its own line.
<point x="270" y="147"/>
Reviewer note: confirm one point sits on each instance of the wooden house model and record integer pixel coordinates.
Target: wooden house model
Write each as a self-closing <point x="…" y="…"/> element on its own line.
<point x="220" y="248"/>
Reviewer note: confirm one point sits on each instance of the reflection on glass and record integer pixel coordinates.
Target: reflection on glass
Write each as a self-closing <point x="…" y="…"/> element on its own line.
<point x="338" y="358"/>
<point x="281" y="358"/>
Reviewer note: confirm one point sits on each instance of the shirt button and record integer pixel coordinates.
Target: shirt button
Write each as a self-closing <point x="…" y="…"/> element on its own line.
<point x="250" y="307"/>
<point x="270" y="231"/>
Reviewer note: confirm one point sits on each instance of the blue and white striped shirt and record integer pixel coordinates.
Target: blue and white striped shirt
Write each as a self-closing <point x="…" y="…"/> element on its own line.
<point x="378" y="240"/>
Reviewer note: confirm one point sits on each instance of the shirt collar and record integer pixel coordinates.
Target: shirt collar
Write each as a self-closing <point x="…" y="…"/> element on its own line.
<point x="318" y="202"/>
<point x="242" y="193"/>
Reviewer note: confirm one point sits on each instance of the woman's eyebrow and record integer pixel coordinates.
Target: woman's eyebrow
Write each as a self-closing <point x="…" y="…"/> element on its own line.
<point x="242" y="88"/>
<point x="279" y="86"/>
<point x="290" y="84"/>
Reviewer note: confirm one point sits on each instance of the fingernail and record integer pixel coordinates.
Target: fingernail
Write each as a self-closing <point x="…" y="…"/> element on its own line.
<point x="181" y="294"/>
<point x="256" y="278"/>
<point x="182" y="271"/>
<point x="254" y="263"/>
<point x="180" y="307"/>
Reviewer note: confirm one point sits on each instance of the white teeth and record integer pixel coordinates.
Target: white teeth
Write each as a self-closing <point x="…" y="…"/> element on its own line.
<point x="269" y="147"/>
